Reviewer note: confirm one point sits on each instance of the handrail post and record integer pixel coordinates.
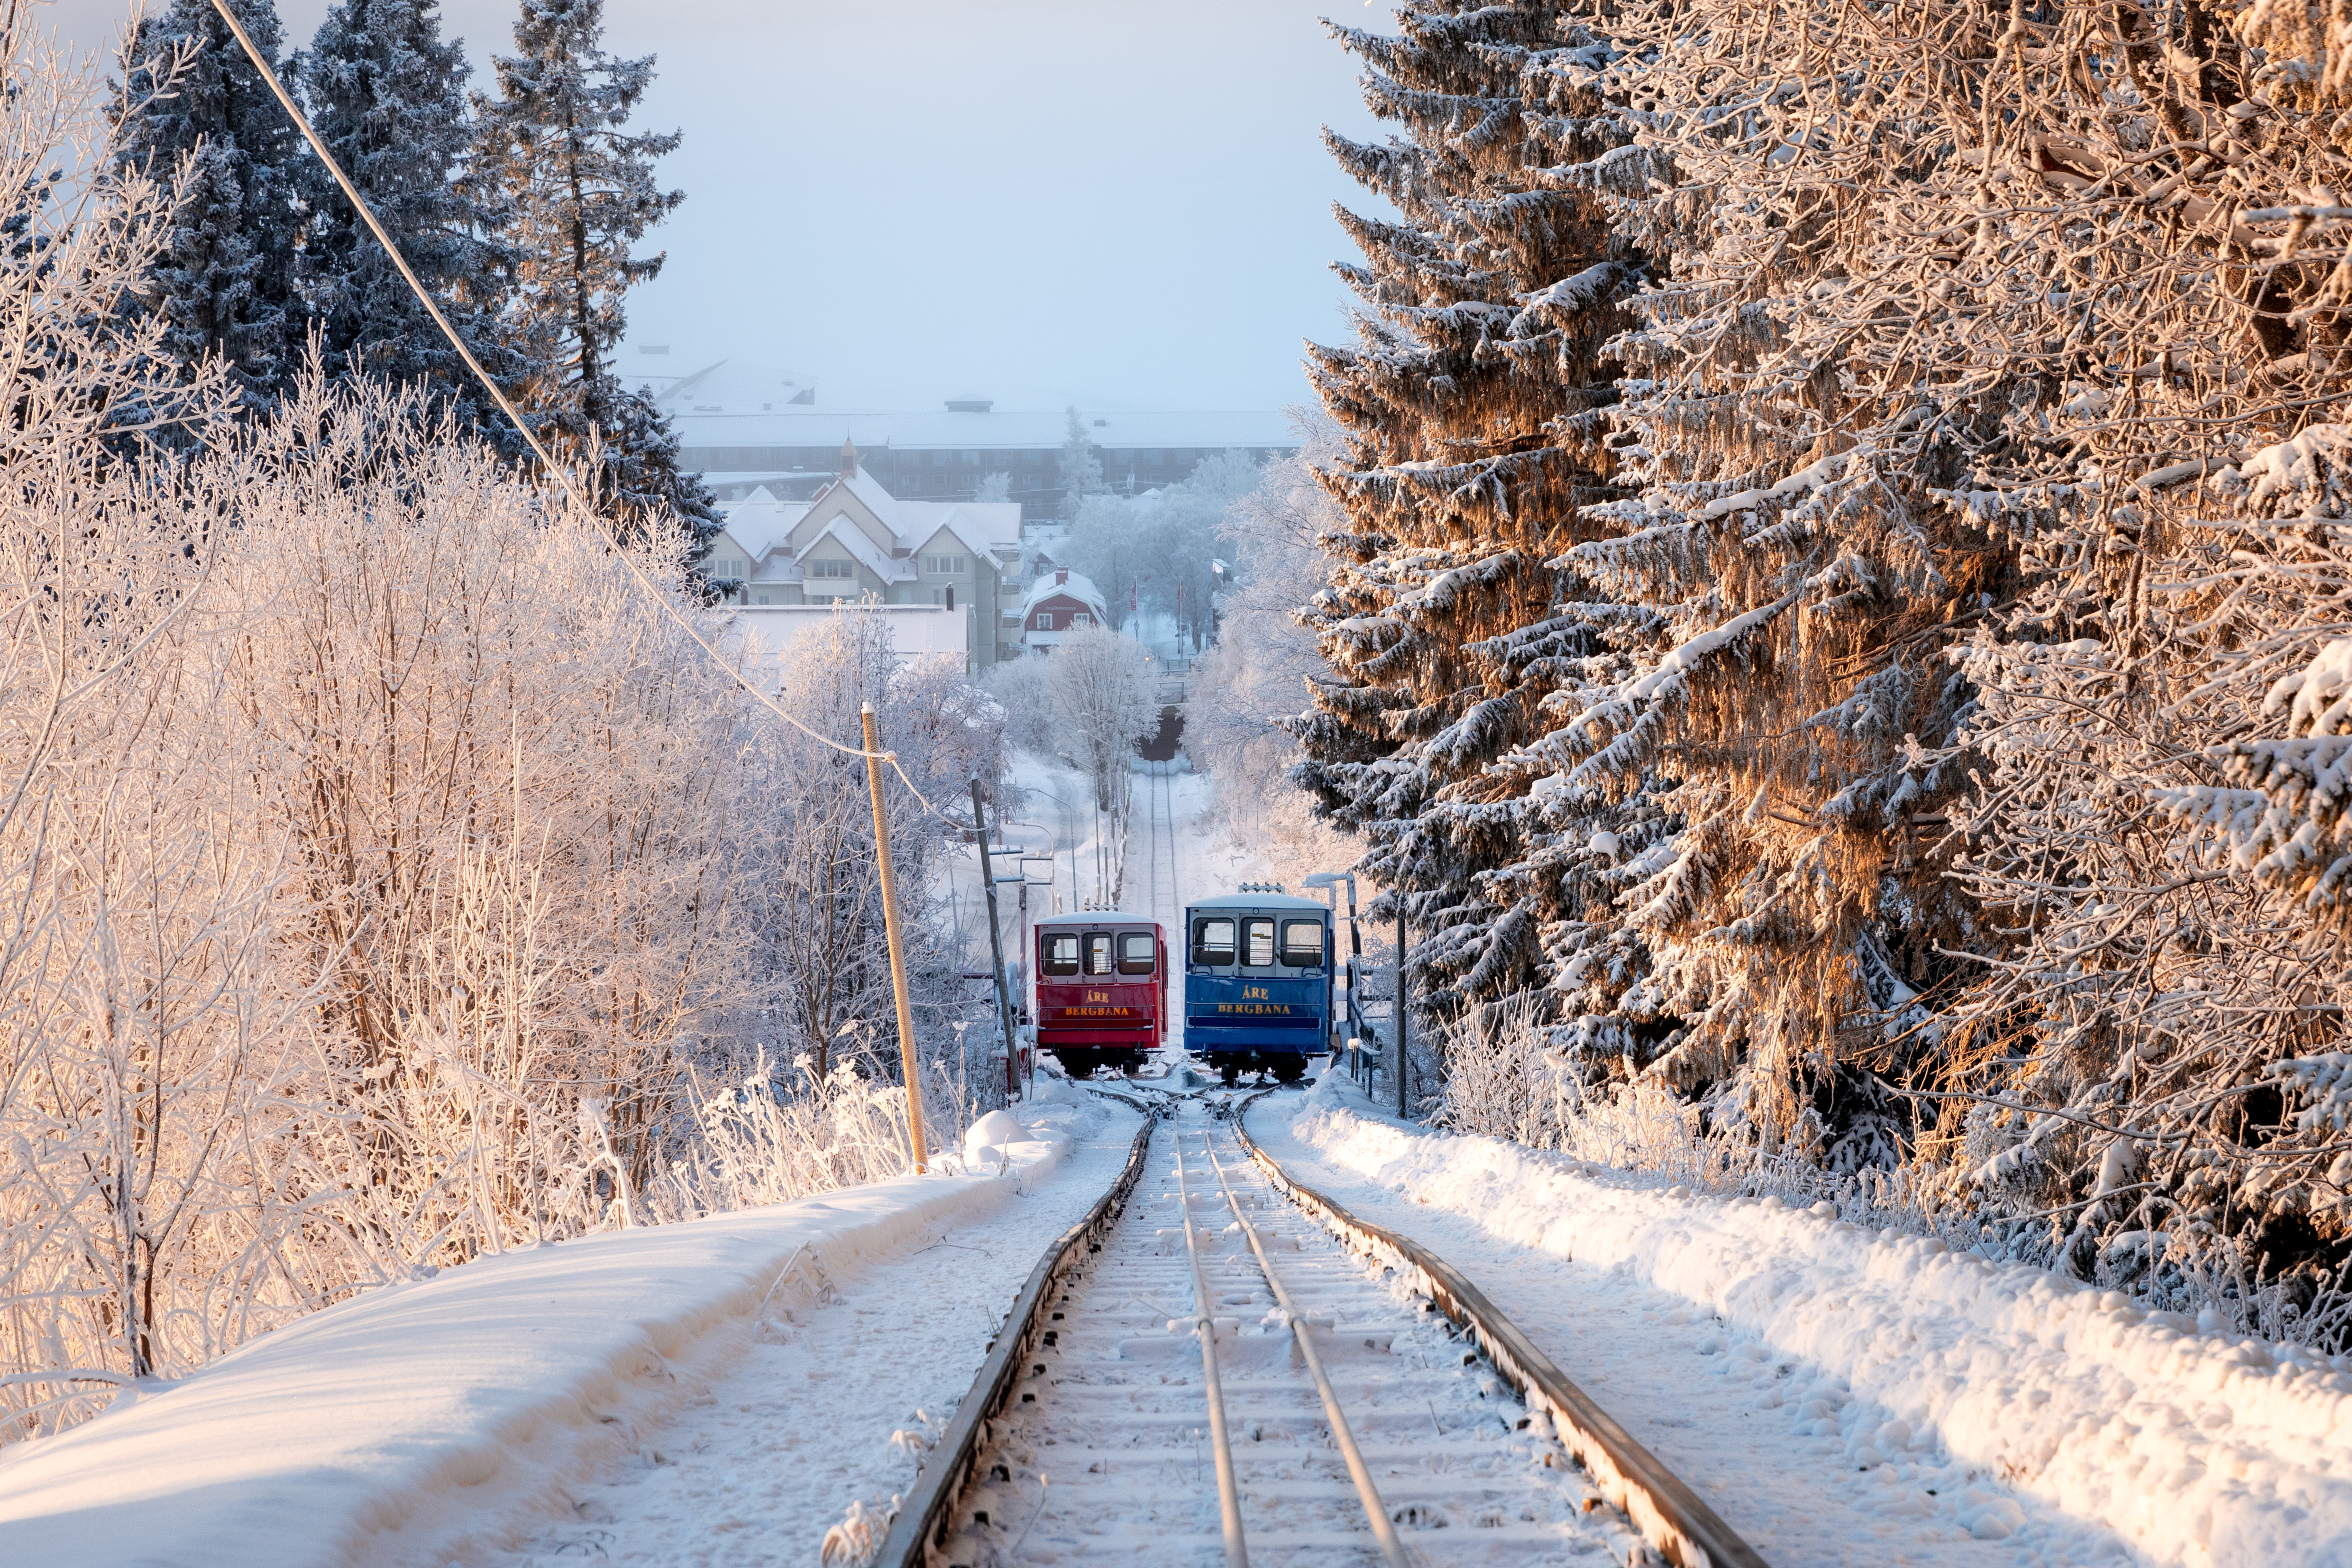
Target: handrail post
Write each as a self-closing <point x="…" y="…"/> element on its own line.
<point x="995" y="942"/>
<point x="1403" y="1030"/>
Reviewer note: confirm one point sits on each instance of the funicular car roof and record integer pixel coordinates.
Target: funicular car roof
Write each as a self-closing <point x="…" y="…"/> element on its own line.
<point x="1097" y="918"/>
<point x="1270" y="902"/>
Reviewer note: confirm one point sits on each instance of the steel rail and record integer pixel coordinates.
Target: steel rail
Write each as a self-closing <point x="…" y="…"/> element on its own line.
<point x="1670" y="1516"/>
<point x="928" y="1510"/>
<point x="1367" y="1493"/>
<point x="1204" y="1323"/>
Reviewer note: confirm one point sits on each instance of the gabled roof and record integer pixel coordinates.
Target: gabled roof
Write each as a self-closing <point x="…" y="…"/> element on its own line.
<point x="861" y="549"/>
<point x="984" y="528"/>
<point x="859" y="495"/>
<point x="1079" y="587"/>
<point x="760" y="522"/>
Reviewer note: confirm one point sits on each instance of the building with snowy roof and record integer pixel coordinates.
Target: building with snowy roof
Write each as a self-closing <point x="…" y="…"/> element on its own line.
<point x="852" y="541"/>
<point x="747" y="427"/>
<point x="1058" y="604"/>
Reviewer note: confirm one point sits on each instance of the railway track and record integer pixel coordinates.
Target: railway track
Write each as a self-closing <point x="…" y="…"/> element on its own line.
<point x="1222" y="1379"/>
<point x="1164" y="899"/>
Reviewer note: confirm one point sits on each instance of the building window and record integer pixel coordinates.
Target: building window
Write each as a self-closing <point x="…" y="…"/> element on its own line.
<point x="1045" y="620"/>
<point x="1080" y="618"/>
<point x="843" y="570"/>
<point x="946" y="565"/>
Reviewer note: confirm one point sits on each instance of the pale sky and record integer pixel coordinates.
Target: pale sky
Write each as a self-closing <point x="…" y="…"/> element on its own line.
<point x="1116" y="203"/>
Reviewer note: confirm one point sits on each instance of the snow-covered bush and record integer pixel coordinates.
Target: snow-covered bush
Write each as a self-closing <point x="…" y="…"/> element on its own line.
<point x="767" y="1137"/>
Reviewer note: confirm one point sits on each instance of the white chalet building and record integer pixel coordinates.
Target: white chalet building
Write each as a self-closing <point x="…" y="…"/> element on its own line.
<point x="854" y="540"/>
<point x="1058" y="604"/>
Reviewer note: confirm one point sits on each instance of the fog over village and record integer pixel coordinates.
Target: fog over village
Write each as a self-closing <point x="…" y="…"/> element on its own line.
<point x="1421" y="784"/>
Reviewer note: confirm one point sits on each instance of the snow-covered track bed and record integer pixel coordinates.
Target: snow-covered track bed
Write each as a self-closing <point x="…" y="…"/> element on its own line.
<point x="923" y="1513"/>
<point x="1671" y="1516"/>
<point x="1107" y="1448"/>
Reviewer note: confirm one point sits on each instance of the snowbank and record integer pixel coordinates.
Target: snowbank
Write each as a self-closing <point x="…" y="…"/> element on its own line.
<point x="2196" y="1450"/>
<point x="408" y="1422"/>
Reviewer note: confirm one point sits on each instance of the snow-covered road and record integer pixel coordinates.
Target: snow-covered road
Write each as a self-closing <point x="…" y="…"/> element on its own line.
<point x="831" y="1402"/>
<point x="1782" y="1447"/>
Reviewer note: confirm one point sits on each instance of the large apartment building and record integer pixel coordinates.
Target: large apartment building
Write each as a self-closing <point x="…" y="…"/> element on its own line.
<point x="747" y="429"/>
<point x="851" y="540"/>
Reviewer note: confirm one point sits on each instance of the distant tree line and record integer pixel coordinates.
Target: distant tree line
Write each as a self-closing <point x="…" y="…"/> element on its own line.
<point x="519" y="209"/>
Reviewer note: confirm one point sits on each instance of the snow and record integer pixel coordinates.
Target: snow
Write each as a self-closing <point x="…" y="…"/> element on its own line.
<point x="825" y="1417"/>
<point x="1846" y="1397"/>
<point x="1061" y="583"/>
<point x="2321" y="693"/>
<point x="435" y="1422"/>
<point x="1811" y="476"/>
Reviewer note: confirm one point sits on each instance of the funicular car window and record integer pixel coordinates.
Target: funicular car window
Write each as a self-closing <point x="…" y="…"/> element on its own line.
<point x="1135" y="953"/>
<point x="1257" y="941"/>
<point x="1062" y="954"/>
<point x="1097" y="952"/>
<point x="1302" y="943"/>
<point x="1212" y="942"/>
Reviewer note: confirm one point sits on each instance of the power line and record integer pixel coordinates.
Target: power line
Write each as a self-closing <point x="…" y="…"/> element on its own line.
<point x="547" y="459"/>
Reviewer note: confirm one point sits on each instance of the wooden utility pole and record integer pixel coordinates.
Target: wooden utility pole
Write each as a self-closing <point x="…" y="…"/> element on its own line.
<point x="995" y="942"/>
<point x="897" y="951"/>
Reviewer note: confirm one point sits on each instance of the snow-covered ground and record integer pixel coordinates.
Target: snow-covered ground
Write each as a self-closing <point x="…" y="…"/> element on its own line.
<point x="723" y="1390"/>
<point x="1842" y="1396"/>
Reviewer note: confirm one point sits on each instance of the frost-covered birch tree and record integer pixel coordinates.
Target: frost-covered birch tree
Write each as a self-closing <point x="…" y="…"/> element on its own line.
<point x="1100" y="688"/>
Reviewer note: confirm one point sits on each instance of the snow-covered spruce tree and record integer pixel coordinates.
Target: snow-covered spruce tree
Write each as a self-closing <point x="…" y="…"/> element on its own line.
<point x="2009" y="349"/>
<point x="1471" y="410"/>
<point x="386" y="93"/>
<point x="1797" y="574"/>
<point x="190" y="108"/>
<point x="577" y="191"/>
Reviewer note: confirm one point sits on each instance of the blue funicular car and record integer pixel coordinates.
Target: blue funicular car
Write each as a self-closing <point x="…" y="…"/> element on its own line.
<point x="1258" y="980"/>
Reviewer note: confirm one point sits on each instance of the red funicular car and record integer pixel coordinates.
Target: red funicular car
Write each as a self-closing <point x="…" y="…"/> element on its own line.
<point x="1102" y="989"/>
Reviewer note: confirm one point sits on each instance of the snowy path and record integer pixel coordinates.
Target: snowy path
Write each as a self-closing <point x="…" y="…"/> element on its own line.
<point x="1768" y="1441"/>
<point x="760" y="1464"/>
<point x="1105" y="1456"/>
